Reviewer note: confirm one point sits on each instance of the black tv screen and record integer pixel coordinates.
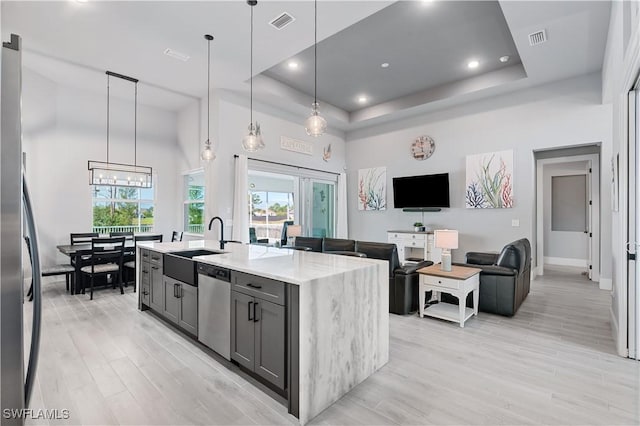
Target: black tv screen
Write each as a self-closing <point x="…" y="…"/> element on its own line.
<point x="421" y="191"/>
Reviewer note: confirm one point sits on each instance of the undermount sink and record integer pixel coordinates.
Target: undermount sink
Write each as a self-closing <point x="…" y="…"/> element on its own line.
<point x="190" y="254"/>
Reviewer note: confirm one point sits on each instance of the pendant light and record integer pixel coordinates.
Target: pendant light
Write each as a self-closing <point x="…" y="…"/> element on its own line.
<point x="315" y="125"/>
<point x="118" y="174"/>
<point x="253" y="141"/>
<point x="207" y="153"/>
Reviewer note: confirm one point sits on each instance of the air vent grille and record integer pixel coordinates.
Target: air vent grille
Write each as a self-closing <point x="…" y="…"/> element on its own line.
<point x="538" y="37"/>
<point x="282" y="21"/>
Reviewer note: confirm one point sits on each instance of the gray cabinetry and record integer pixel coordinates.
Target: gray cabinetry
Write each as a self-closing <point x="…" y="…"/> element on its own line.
<point x="242" y="330"/>
<point x="188" y="318"/>
<point x="156" y="286"/>
<point x="145" y="277"/>
<point x="270" y="355"/>
<point x="258" y="326"/>
<point x="171" y="302"/>
<point x="180" y="304"/>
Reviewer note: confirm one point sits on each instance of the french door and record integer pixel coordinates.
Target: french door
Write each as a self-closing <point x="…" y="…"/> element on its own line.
<point x="319" y="207"/>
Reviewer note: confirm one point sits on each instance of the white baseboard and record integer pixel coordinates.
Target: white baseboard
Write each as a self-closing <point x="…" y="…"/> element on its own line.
<point x="606" y="284"/>
<point x="565" y="261"/>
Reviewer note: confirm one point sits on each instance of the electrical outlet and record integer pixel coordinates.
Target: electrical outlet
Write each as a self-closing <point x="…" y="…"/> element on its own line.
<point x="515" y="223"/>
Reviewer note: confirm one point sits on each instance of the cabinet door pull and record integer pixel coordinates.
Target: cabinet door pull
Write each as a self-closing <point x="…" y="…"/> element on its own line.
<point x="181" y="292"/>
<point x="249" y="310"/>
<point x="154" y="267"/>
<point x="253" y="285"/>
<point x="255" y="316"/>
<point x="175" y="290"/>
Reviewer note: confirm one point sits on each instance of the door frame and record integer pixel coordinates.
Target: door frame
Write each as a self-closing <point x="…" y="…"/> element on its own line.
<point x="632" y="239"/>
<point x="595" y="212"/>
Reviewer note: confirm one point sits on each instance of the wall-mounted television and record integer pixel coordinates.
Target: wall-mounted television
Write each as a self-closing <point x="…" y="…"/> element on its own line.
<point x="421" y="191"/>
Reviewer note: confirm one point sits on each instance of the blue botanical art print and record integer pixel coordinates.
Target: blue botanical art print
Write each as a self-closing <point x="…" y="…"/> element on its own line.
<point x="490" y="180"/>
<point x="372" y="189"/>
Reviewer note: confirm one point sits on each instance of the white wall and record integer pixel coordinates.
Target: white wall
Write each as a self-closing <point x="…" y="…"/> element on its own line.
<point x="229" y="121"/>
<point x="562" y="246"/>
<point x="63" y="128"/>
<point x="620" y="69"/>
<point x="565" y="113"/>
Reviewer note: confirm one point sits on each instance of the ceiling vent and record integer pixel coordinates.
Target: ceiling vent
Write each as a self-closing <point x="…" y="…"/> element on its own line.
<point x="177" y="55"/>
<point x="282" y="21"/>
<point x="537" y="38"/>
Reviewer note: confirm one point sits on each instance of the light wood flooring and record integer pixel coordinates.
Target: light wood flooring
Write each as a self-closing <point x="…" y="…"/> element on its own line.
<point x="553" y="363"/>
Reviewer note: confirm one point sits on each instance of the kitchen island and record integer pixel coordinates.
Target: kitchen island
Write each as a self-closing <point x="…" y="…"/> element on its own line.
<point x="335" y="308"/>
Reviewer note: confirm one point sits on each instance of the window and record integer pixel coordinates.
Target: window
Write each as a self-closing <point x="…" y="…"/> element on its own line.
<point x="194" y="202"/>
<point x="268" y="211"/>
<point x="122" y="209"/>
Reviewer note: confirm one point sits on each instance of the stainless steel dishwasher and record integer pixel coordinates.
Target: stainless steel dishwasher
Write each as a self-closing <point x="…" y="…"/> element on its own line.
<point x="214" y="308"/>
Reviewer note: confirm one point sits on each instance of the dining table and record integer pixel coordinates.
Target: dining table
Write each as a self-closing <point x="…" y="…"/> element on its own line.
<point x="84" y="250"/>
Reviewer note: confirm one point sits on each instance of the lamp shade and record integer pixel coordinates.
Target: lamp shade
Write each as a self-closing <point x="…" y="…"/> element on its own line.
<point x="294" y="230"/>
<point x="446" y="239"/>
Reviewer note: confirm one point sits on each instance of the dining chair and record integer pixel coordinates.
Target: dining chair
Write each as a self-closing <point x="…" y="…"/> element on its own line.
<point x="131" y="265"/>
<point x="107" y="255"/>
<point x="82" y="237"/>
<point x="176" y="236"/>
<point x="49" y="271"/>
<point x="128" y="235"/>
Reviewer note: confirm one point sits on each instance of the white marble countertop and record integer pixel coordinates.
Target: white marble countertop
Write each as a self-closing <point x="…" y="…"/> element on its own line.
<point x="291" y="266"/>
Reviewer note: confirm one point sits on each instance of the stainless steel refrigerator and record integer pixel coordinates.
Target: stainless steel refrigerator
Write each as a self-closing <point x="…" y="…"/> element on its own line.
<point x="16" y="220"/>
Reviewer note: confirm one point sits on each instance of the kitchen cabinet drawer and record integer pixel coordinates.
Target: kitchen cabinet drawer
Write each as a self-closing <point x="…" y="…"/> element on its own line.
<point x="442" y="282"/>
<point x="144" y="253"/>
<point x="263" y="288"/>
<point x="155" y="258"/>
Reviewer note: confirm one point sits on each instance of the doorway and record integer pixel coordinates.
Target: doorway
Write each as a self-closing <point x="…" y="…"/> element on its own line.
<point x="633" y="225"/>
<point x="568" y="213"/>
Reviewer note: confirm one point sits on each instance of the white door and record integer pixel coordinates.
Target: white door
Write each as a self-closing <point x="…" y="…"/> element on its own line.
<point x="589" y="230"/>
<point x="319" y="212"/>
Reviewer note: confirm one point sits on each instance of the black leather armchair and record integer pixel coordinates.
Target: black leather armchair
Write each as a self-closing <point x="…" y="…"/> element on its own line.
<point x="403" y="280"/>
<point x="505" y="278"/>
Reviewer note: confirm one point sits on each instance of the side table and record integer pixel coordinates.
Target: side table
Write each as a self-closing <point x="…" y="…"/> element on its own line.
<point x="459" y="282"/>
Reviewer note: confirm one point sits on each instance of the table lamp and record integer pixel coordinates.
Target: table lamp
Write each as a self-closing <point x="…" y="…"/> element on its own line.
<point x="446" y="239"/>
<point x="293" y="231"/>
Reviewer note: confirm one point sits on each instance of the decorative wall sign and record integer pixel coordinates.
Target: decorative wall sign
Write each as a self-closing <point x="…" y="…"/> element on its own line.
<point x="423" y="147"/>
<point x="296" y="145"/>
<point x="372" y="189"/>
<point x="326" y="153"/>
<point x="490" y="180"/>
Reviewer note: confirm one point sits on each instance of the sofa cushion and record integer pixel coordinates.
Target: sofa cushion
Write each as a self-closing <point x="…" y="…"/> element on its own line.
<point x="338" y="244"/>
<point x="382" y="251"/>
<point x="315" y="244"/>
<point x="478" y="258"/>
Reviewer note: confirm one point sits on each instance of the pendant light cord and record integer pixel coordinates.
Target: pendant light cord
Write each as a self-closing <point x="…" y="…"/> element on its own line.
<point x="108" y="117"/>
<point x="135" y="126"/>
<point x="251" y="70"/>
<point x="315" y="52"/>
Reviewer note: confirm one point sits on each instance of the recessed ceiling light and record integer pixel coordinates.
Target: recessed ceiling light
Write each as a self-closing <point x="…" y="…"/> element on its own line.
<point x="81" y="1"/>
<point x="362" y="99"/>
<point x="293" y="65"/>
<point x="385" y="65"/>
<point x="504" y="58"/>
<point x="473" y="64"/>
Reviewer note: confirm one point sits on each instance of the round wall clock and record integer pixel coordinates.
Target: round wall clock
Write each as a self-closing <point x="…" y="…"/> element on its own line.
<point x="423" y="147"/>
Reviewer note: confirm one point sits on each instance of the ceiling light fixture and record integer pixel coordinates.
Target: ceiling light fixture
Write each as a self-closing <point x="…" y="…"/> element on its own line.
<point x="177" y="55"/>
<point x="207" y="153"/>
<point x="117" y="174"/>
<point x="293" y="65"/>
<point x="315" y="125"/>
<point x="504" y="58"/>
<point x="253" y="141"/>
<point x="362" y="99"/>
<point x="385" y="65"/>
<point x="473" y="64"/>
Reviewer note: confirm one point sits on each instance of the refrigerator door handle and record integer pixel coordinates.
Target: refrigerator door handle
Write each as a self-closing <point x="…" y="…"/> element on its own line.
<point x="37" y="294"/>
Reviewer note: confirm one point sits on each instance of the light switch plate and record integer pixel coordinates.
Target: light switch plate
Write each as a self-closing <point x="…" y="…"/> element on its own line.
<point x="515" y="223"/>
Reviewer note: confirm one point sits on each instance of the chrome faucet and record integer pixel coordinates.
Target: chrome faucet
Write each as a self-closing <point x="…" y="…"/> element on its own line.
<point x="222" y="241"/>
